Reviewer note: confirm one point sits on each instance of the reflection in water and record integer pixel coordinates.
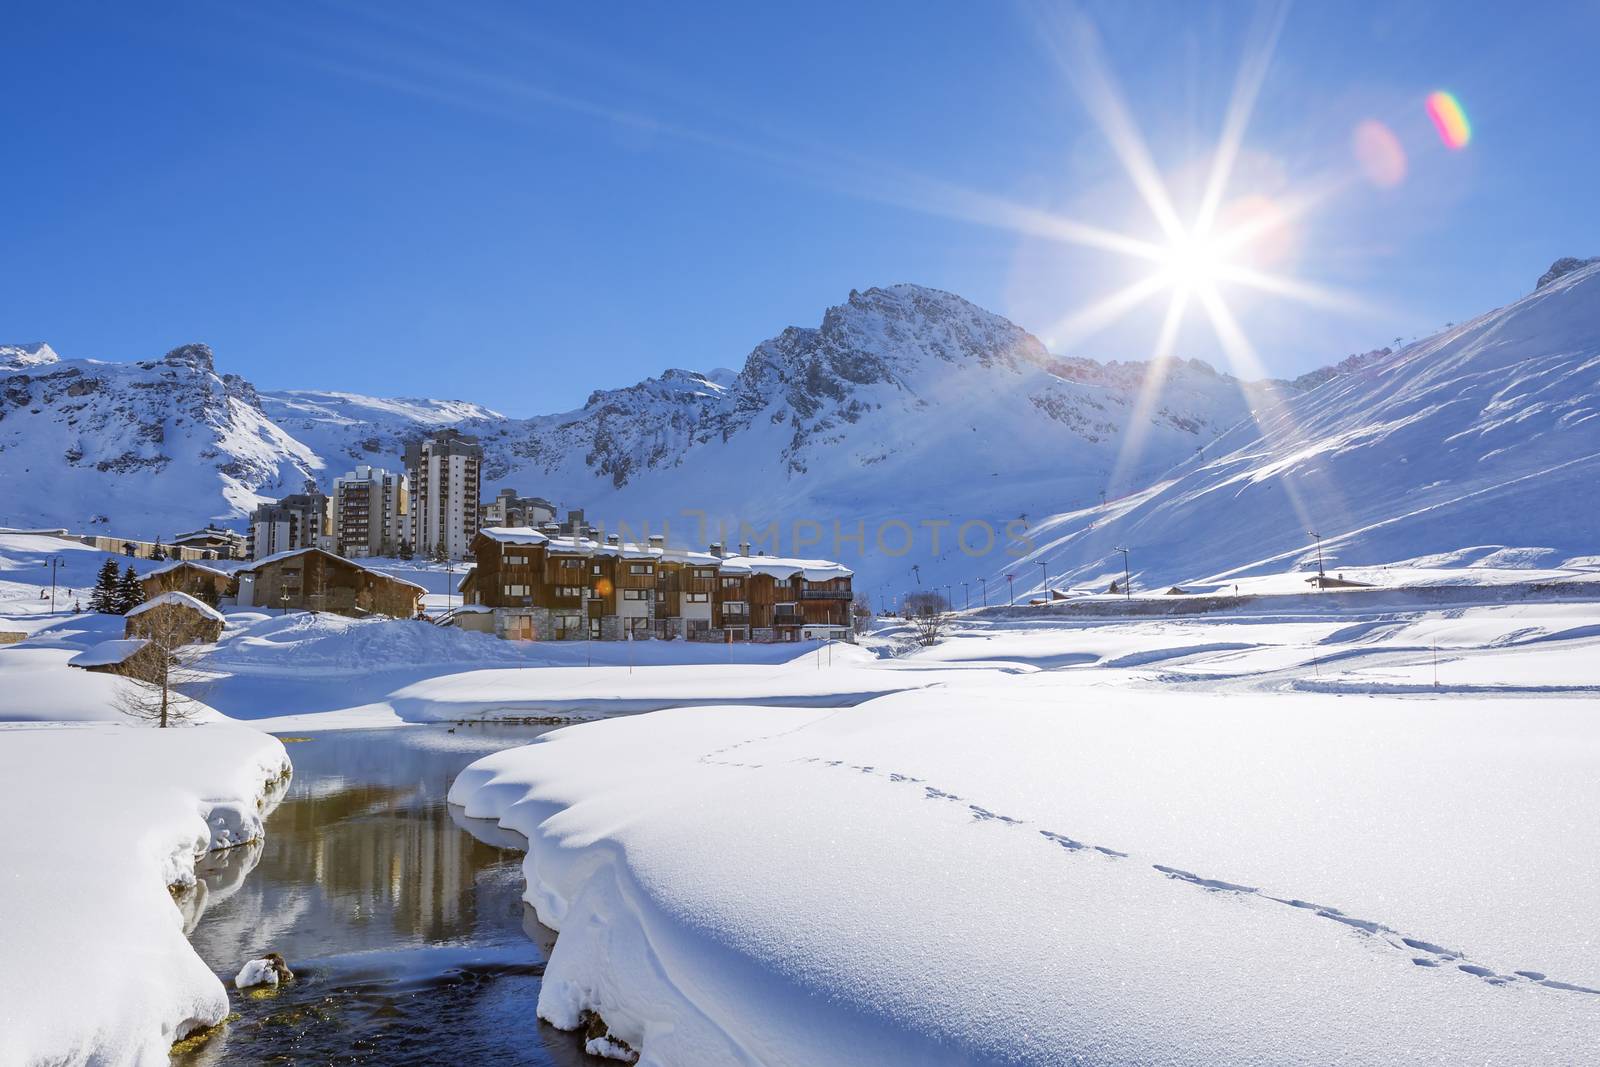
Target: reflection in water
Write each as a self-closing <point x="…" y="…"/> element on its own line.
<point x="407" y="935"/>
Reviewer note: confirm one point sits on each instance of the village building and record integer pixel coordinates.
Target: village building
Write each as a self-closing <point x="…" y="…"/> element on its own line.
<point x="539" y="586"/>
<point x="509" y="509"/>
<point x="209" y="584"/>
<point x="212" y="542"/>
<point x="174" y="618"/>
<point x="444" y="478"/>
<point x="297" y="521"/>
<point x="312" y="579"/>
<point x="369" y="513"/>
<point x="133" y="657"/>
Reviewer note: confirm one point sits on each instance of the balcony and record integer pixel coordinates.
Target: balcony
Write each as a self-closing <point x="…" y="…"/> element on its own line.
<point x="825" y="594"/>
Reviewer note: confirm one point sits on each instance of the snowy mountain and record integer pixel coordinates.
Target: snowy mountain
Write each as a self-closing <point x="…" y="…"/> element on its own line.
<point x="153" y="448"/>
<point x="1478" y="447"/>
<point x="905" y="403"/>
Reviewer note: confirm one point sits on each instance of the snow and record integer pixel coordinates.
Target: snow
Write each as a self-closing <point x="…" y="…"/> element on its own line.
<point x="260" y="972"/>
<point x="181" y="599"/>
<point x="108" y="653"/>
<point x="96" y="821"/>
<point x="514" y="535"/>
<point x="783" y="568"/>
<point x="1139" y="840"/>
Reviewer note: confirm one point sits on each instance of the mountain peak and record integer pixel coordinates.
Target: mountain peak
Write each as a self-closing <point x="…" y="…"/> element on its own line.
<point x="32" y="354"/>
<point x="197" y="356"/>
<point x="1563" y="267"/>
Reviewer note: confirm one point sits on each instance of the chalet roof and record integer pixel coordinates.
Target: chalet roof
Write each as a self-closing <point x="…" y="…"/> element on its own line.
<point x="814" y="570"/>
<point x="182" y="600"/>
<point x="690" y="558"/>
<point x="108" y="653"/>
<point x="175" y="564"/>
<point x="279" y="557"/>
<point x="514" y="535"/>
<point x="784" y="568"/>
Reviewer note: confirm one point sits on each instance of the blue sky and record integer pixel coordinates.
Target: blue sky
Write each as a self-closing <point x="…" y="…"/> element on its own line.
<point x="516" y="204"/>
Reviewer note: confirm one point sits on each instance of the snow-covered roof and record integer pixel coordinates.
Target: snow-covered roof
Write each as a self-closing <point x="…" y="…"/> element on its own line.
<point x="515" y="535"/>
<point x="813" y="570"/>
<point x="691" y="558"/>
<point x="175" y="564"/>
<point x="280" y="556"/>
<point x="108" y="653"/>
<point x="473" y="609"/>
<point x="181" y="599"/>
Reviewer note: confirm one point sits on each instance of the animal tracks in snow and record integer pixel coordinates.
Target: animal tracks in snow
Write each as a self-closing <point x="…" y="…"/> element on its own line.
<point x="1423" y="953"/>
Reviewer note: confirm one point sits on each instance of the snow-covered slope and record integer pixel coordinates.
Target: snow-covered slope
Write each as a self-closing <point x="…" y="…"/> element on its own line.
<point x="142" y="449"/>
<point x="905" y="403"/>
<point x="1477" y="447"/>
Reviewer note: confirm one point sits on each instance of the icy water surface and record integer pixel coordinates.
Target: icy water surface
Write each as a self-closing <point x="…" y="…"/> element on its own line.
<point x="408" y="937"/>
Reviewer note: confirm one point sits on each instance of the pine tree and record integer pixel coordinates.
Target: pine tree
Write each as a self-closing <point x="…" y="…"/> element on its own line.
<point x="104" y="597"/>
<point x="129" y="594"/>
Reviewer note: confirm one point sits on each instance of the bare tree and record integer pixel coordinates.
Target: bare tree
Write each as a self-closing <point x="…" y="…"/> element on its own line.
<point x="162" y="675"/>
<point x="861" y="614"/>
<point x="929" y="614"/>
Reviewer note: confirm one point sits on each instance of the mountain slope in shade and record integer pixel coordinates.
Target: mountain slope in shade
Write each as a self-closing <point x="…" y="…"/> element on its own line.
<point x="1477" y="447"/>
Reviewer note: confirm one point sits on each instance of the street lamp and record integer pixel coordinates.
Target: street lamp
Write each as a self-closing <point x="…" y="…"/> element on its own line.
<point x="984" y="583"/>
<point x="1127" y="580"/>
<point x="966" y="597"/>
<point x="1011" y="590"/>
<point x="949" y="601"/>
<point x="283" y="600"/>
<point x="1045" y="569"/>
<point x="53" y="562"/>
<point x="449" y="585"/>
<point x="1320" y="572"/>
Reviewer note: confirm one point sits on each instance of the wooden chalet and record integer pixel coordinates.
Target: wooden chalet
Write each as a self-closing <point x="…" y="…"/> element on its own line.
<point x="309" y="579"/>
<point x="544" y="587"/>
<point x="174" y="618"/>
<point x="204" y="583"/>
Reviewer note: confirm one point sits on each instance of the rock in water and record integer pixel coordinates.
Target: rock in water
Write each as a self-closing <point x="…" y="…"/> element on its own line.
<point x="269" y="970"/>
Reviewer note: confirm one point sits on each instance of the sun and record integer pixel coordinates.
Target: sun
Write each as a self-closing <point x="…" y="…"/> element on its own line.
<point x="1191" y="262"/>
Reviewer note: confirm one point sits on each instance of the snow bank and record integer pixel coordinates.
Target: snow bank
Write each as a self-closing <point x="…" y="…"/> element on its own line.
<point x="96" y="821"/>
<point x="1036" y="869"/>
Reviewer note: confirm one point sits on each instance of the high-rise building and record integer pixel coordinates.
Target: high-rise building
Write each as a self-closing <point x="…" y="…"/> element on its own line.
<point x="444" y="474"/>
<point x="299" y="520"/>
<point x="369" y="513"/>
<point x="509" y="509"/>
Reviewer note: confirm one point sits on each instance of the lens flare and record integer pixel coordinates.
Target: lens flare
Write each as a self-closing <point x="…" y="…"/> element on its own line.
<point x="1378" y="151"/>
<point x="1448" y="118"/>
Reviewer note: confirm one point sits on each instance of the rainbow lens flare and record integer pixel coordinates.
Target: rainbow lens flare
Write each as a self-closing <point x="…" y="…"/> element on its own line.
<point x="1445" y="111"/>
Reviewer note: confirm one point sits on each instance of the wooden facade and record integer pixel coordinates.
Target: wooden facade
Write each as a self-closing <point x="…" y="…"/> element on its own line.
<point x="561" y="588"/>
<point x="201" y="582"/>
<point x="310" y="579"/>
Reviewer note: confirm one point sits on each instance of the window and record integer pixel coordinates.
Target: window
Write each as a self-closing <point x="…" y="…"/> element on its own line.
<point x="699" y="598"/>
<point x="640" y="568"/>
<point x="731" y="583"/>
<point x="572" y="564"/>
<point x="636" y="594"/>
<point x="516" y="590"/>
<point x="573" y="591"/>
<point x="735" y="607"/>
<point x="704" y="572"/>
<point x="517" y="560"/>
<point x="568" y="625"/>
<point x="596" y="569"/>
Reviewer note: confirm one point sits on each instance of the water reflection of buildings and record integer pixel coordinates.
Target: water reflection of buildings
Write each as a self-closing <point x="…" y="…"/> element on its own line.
<point x="364" y="857"/>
